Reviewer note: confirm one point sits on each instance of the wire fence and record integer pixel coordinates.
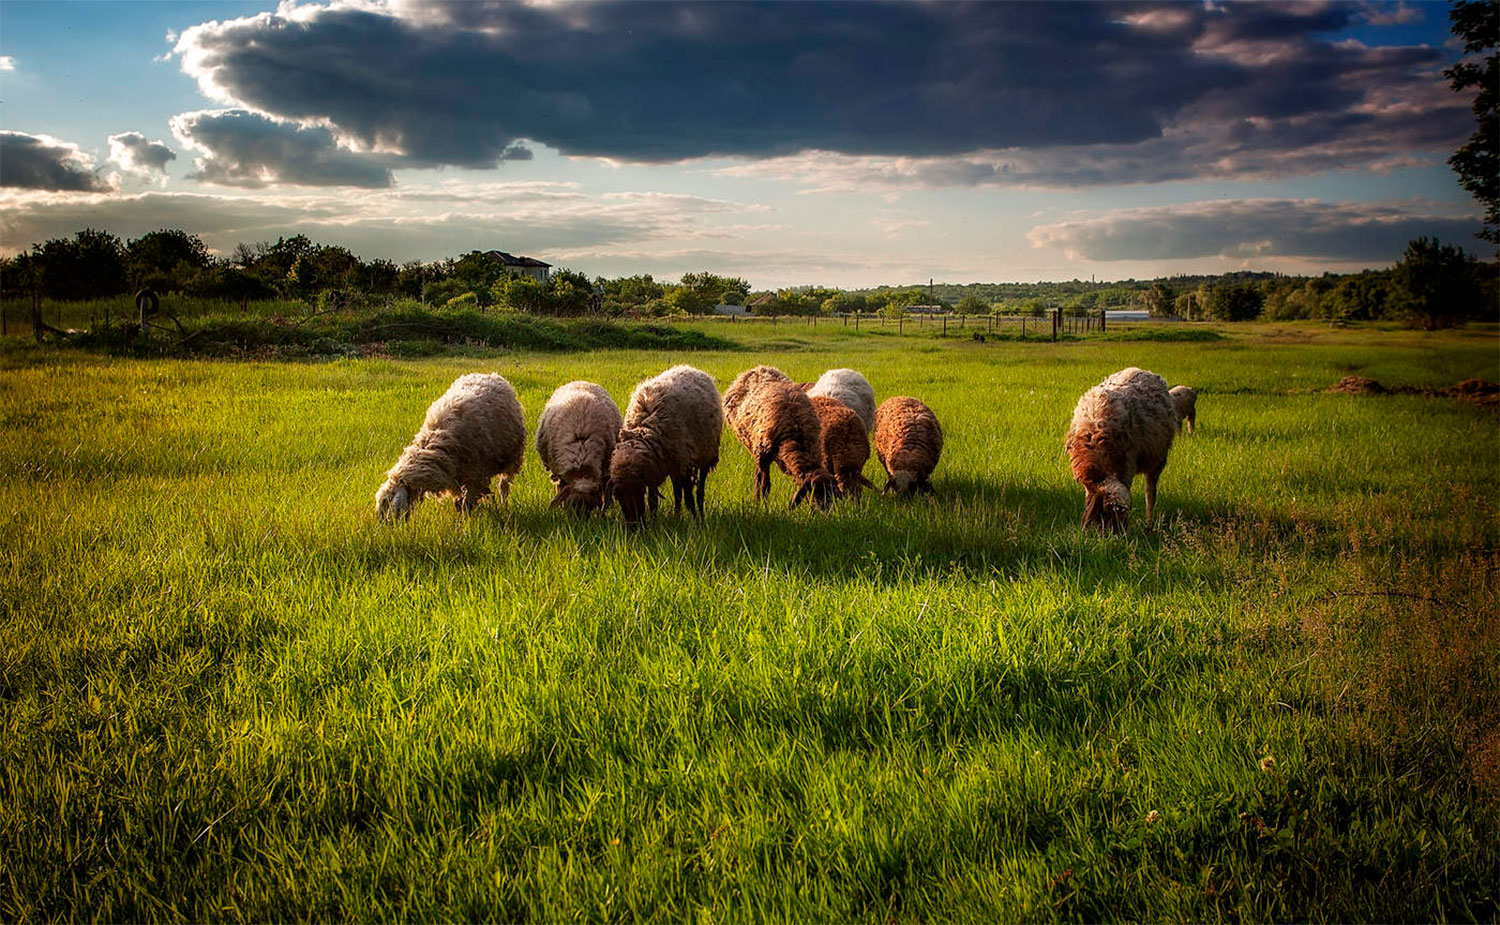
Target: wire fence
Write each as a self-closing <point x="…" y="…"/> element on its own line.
<point x="1048" y="326"/>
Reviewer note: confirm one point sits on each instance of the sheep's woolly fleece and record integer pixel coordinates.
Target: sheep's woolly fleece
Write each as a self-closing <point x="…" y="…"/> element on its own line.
<point x="671" y="429"/>
<point x="775" y="420"/>
<point x="474" y="432"/>
<point x="853" y="389"/>
<point x="909" y="442"/>
<point x="575" y="439"/>
<point x="846" y="446"/>
<point x="1121" y="427"/>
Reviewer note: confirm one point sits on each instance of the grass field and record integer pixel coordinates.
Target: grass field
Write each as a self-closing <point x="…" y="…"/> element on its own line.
<point x="226" y="692"/>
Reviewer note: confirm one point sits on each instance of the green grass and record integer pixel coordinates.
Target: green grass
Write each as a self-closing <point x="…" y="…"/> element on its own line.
<point x="227" y="693"/>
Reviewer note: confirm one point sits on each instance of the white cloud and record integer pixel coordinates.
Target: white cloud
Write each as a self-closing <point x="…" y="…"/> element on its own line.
<point x="7" y="63"/>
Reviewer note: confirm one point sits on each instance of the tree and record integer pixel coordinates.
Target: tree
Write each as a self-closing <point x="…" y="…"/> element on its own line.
<point x="1238" y="302"/>
<point x="1160" y="301"/>
<point x="713" y="289"/>
<point x="1477" y="163"/>
<point x="1440" y="282"/>
<point x="972" y="305"/>
<point x="89" y="265"/>
<point x="165" y="259"/>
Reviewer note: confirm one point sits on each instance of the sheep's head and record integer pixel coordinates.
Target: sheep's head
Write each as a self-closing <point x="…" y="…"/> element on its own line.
<point x="820" y="485"/>
<point x="1106" y="506"/>
<point x="580" y="492"/>
<point x="393" y="501"/>
<point x="853" y="483"/>
<point x="630" y="480"/>
<point x="901" y="482"/>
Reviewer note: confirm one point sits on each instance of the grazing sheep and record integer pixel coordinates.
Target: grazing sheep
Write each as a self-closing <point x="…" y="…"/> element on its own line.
<point x="671" y="430"/>
<point x="1186" y="401"/>
<point x="1122" y="426"/>
<point x="474" y="432"/>
<point x="851" y="388"/>
<point x="775" y="421"/>
<point x="575" y="439"/>
<point x="846" y="446"/>
<point x="908" y="440"/>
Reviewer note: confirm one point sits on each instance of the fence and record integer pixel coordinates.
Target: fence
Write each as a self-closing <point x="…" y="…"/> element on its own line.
<point x="1047" y="327"/>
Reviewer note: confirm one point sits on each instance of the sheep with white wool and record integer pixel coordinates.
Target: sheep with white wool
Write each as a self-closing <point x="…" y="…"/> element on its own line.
<point x="850" y="387"/>
<point x="776" y="422"/>
<point x="575" y="439"/>
<point x="1186" y="402"/>
<point x="846" y="445"/>
<point x="671" y="429"/>
<point x="909" y="441"/>
<point x="474" y="432"/>
<point x="1122" y="427"/>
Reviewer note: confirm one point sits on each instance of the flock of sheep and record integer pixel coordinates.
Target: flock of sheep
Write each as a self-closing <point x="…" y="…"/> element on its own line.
<point x="818" y="433"/>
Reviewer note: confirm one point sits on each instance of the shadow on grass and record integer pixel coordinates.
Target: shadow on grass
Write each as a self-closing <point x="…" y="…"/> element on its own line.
<point x="972" y="529"/>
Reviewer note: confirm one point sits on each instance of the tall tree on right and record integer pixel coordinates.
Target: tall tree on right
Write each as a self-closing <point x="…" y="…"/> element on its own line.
<point x="1477" y="163"/>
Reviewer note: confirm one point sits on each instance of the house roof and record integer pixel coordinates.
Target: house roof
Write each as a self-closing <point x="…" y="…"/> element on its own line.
<point x="511" y="260"/>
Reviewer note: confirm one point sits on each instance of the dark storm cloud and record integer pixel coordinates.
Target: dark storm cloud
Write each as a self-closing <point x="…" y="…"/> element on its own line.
<point x="137" y="154"/>
<point x="458" y="83"/>
<point x="1372" y="233"/>
<point x="247" y="149"/>
<point x="42" y="162"/>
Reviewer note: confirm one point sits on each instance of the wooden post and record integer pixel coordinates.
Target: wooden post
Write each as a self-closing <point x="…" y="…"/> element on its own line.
<point x="1101" y="321"/>
<point x="1023" y="327"/>
<point x="945" y="325"/>
<point x="1056" y="317"/>
<point x="856" y="321"/>
<point x="901" y="322"/>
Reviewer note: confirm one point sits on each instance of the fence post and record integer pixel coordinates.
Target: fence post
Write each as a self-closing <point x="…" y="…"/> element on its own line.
<point x="856" y="321"/>
<point x="901" y="322"/>
<point x="1023" y="327"/>
<point x="1101" y="321"/>
<point x="945" y="325"/>
<point x="1056" y="317"/>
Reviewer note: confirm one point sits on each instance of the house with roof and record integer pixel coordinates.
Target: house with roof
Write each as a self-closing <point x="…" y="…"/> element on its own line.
<point x="521" y="266"/>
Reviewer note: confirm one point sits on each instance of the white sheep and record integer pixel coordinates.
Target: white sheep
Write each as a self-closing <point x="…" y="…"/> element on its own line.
<point x="672" y="429"/>
<point x="474" y="432"/>
<point x="1121" y="427"/>
<point x="575" y="439"/>
<point x="1186" y="402"/>
<point x="850" y="387"/>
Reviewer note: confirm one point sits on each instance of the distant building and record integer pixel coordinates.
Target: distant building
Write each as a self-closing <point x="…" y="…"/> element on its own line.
<point x="726" y="309"/>
<point x="928" y="310"/>
<point x="521" y="266"/>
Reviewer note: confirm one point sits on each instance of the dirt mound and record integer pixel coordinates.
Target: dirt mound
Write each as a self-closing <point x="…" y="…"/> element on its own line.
<point x="1357" y="385"/>
<point x="1477" y="391"/>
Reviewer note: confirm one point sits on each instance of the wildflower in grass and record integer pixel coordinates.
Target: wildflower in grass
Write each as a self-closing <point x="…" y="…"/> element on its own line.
<point x="1153" y="817"/>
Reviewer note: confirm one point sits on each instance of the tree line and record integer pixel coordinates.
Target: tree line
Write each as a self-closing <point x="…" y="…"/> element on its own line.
<point x="1434" y="284"/>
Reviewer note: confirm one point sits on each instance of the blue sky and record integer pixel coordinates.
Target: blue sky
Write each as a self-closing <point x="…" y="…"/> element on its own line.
<point x="845" y="144"/>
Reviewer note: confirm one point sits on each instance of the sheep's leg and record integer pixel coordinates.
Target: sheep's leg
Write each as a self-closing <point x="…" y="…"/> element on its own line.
<point x="680" y="488"/>
<point x="469" y="496"/>
<point x="1151" y="476"/>
<point x="763" y="474"/>
<point x="653" y="498"/>
<point x="701" y="478"/>
<point x="504" y="487"/>
<point x="1192" y="422"/>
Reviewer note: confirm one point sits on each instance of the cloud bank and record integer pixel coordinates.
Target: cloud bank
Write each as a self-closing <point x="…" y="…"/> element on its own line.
<point x="1252" y="228"/>
<point x="246" y="149"/>
<point x="41" y="162"/>
<point x="1071" y="94"/>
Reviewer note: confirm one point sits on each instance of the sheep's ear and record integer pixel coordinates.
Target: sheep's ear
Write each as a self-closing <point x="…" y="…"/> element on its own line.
<point x="800" y="496"/>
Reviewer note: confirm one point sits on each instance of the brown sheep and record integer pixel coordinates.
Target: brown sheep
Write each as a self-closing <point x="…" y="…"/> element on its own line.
<point x="672" y="429"/>
<point x="1121" y="427"/>
<point x="846" y="446"/>
<point x="908" y="440"/>
<point x="776" y="422"/>
<point x="1186" y="402"/>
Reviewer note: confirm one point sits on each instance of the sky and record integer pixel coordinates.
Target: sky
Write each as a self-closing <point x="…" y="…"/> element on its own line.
<point x="846" y="144"/>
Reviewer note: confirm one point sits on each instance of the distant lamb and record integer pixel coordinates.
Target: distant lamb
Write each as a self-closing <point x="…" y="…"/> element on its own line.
<point x="1186" y="401"/>
<point x="575" y="439"/>
<point x="1122" y="426"/>
<point x="671" y="430"/>
<point x="908" y="440"/>
<point x="846" y="446"/>
<point x="850" y="387"/>
<point x="474" y="432"/>
<point x="775" y="421"/>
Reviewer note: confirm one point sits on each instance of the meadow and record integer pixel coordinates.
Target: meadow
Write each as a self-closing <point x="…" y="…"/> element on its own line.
<point x="227" y="692"/>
